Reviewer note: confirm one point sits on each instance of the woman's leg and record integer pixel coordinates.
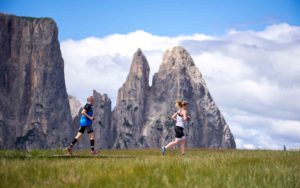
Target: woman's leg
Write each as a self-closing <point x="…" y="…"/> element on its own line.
<point x="183" y="145"/>
<point x="171" y="144"/>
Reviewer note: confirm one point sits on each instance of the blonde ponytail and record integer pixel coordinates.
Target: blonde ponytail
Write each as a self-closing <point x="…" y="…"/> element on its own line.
<point x="180" y="103"/>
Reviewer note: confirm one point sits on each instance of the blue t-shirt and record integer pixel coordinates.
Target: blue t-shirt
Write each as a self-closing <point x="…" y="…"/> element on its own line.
<point x="84" y="121"/>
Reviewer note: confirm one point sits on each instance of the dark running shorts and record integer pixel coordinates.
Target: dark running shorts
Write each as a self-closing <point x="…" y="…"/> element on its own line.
<point x="179" y="132"/>
<point x="89" y="129"/>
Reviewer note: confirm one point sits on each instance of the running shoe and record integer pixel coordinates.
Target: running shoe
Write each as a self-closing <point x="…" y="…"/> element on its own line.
<point x="93" y="152"/>
<point x="163" y="150"/>
<point x="69" y="150"/>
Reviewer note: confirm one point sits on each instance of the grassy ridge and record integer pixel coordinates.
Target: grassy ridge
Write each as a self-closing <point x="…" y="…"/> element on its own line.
<point x="147" y="168"/>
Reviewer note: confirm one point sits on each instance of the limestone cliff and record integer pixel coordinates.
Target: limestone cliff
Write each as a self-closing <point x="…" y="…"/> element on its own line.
<point x="75" y="105"/>
<point x="129" y="113"/>
<point x="142" y="114"/>
<point x="34" y="107"/>
<point x="179" y="78"/>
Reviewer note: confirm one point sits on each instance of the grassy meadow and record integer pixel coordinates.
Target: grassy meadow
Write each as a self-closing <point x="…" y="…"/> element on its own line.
<point x="147" y="168"/>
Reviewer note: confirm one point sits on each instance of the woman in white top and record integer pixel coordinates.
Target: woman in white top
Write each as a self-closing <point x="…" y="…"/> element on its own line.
<point x="181" y="117"/>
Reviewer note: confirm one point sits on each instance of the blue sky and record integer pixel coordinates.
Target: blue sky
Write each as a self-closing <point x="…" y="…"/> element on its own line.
<point x="81" y="19"/>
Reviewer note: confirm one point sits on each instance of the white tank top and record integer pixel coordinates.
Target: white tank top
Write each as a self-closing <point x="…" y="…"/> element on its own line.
<point x="179" y="120"/>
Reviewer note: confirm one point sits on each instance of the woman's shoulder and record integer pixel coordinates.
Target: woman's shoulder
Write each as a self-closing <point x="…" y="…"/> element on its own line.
<point x="183" y="111"/>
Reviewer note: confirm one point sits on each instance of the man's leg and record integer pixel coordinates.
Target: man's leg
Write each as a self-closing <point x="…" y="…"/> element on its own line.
<point x="92" y="139"/>
<point x="76" y="138"/>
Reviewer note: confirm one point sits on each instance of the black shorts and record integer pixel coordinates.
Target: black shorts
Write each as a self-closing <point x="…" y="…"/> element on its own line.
<point x="89" y="129"/>
<point x="179" y="132"/>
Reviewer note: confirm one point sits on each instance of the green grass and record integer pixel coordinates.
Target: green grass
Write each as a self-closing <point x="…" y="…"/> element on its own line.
<point x="147" y="168"/>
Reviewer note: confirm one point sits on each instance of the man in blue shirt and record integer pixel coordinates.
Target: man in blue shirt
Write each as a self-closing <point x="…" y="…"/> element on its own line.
<point x="86" y="121"/>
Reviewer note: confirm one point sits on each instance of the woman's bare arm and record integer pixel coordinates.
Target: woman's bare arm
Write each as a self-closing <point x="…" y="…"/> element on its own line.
<point x="185" y="116"/>
<point x="174" y="116"/>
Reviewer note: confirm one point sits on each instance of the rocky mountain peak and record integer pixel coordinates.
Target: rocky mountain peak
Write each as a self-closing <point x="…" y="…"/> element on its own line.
<point x="137" y="81"/>
<point x="178" y="56"/>
<point x="139" y="68"/>
<point x="142" y="119"/>
<point x="139" y="52"/>
<point x="128" y="115"/>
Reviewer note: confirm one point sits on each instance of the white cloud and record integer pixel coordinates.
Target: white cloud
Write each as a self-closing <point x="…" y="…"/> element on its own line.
<point x="253" y="76"/>
<point x="261" y="131"/>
